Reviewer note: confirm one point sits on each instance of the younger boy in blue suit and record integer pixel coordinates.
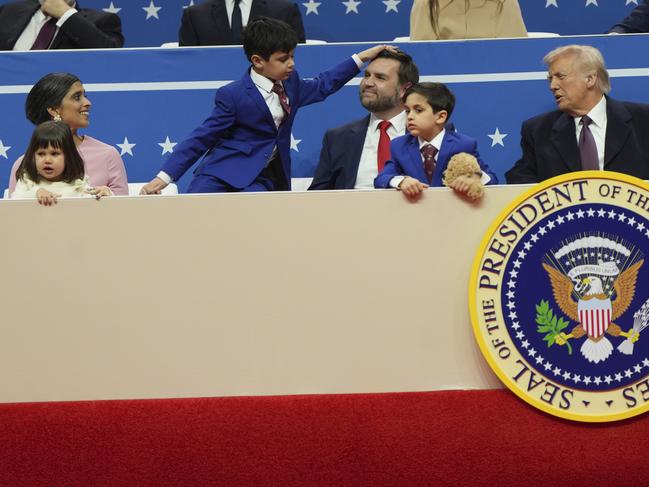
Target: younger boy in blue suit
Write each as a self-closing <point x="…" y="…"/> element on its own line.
<point x="418" y="160"/>
<point x="246" y="140"/>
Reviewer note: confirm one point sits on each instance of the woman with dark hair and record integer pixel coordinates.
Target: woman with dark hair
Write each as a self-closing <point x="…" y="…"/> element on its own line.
<point x="60" y="96"/>
<point x="465" y="19"/>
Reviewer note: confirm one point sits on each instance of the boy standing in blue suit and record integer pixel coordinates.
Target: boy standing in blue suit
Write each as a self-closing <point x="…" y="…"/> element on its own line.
<point x="419" y="159"/>
<point x="246" y="140"/>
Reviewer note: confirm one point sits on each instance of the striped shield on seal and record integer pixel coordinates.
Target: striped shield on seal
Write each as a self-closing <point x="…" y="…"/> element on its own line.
<point x="595" y="315"/>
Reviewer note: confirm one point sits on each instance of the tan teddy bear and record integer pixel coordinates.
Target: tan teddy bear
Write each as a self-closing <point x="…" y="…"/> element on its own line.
<point x="463" y="174"/>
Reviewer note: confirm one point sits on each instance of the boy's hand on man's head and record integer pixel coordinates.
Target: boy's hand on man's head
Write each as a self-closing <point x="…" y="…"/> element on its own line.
<point x="372" y="52"/>
<point x="412" y="187"/>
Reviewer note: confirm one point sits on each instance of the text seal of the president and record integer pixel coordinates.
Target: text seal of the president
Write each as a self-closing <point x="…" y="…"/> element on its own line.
<point x="559" y="296"/>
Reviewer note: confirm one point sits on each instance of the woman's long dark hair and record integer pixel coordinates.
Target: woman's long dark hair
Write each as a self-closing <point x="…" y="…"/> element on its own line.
<point x="59" y="136"/>
<point x="433" y="11"/>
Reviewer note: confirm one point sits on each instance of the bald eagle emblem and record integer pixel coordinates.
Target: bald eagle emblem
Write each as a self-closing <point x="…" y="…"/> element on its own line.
<point x="593" y="281"/>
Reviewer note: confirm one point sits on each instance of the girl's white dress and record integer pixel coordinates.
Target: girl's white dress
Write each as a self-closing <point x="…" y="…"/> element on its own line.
<point x="26" y="188"/>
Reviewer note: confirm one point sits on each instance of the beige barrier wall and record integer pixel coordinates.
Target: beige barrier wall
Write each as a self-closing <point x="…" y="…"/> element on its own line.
<point x="240" y="294"/>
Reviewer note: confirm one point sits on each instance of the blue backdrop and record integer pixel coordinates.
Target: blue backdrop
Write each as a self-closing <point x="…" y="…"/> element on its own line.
<point x="152" y="22"/>
<point x="147" y="95"/>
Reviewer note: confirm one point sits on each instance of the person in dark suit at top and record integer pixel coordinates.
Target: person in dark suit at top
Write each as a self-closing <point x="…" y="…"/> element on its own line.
<point x="219" y="22"/>
<point x="353" y="154"/>
<point x="57" y="24"/>
<point x="636" y="22"/>
<point x="589" y="131"/>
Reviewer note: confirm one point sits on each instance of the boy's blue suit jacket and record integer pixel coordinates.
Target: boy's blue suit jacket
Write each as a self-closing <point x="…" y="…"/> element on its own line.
<point x="405" y="159"/>
<point x="238" y="137"/>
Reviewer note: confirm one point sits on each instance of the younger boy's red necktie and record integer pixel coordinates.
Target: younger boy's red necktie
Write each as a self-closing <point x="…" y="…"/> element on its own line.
<point x="383" y="151"/>
<point x="429" y="152"/>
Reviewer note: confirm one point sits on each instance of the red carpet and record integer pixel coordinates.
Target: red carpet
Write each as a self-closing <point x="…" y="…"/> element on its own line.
<point x="437" y="438"/>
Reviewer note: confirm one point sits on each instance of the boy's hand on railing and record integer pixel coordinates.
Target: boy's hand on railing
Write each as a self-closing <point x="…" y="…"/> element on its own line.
<point x="154" y="187"/>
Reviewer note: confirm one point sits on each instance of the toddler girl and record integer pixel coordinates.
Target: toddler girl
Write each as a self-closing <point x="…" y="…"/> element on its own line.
<point x="52" y="167"/>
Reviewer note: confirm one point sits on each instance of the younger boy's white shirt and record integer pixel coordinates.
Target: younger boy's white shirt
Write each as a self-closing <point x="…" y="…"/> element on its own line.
<point x="368" y="167"/>
<point x="30" y="33"/>
<point x="436" y="143"/>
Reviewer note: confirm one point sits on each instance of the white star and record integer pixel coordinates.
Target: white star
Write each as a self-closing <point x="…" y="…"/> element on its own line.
<point x="580" y="213"/>
<point x="597" y="381"/>
<point x="167" y="146"/>
<point x="111" y="9"/>
<point x="591" y="2"/>
<point x="497" y="138"/>
<point x="352" y="6"/>
<point x="640" y="226"/>
<point x="312" y="7"/>
<point x="151" y="11"/>
<point x="294" y="143"/>
<point x="191" y="4"/>
<point x="570" y="216"/>
<point x="126" y="147"/>
<point x="566" y="375"/>
<point x="4" y="149"/>
<point x="391" y="5"/>
<point x="628" y="2"/>
<point x="552" y="3"/>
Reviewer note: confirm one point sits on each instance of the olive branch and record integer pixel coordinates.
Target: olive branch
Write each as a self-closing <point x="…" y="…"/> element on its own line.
<point x="550" y="324"/>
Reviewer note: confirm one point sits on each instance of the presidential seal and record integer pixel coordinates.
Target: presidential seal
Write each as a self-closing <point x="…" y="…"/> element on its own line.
<point x="559" y="296"/>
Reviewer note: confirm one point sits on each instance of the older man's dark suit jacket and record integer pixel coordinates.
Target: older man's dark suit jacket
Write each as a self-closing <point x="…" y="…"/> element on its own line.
<point x="87" y="29"/>
<point x="550" y="145"/>
<point x="207" y="24"/>
<point x="340" y="156"/>
<point x="636" y="22"/>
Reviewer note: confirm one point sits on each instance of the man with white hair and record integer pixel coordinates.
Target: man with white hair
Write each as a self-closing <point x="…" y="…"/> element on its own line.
<point x="57" y="24"/>
<point x="589" y="131"/>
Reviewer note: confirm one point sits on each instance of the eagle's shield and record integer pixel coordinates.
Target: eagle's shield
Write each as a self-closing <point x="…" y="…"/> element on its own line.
<point x="594" y="315"/>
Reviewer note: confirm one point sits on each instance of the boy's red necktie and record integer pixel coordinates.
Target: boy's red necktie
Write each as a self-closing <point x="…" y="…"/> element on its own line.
<point x="45" y="35"/>
<point x="429" y="152"/>
<point x="383" y="151"/>
<point x="283" y="99"/>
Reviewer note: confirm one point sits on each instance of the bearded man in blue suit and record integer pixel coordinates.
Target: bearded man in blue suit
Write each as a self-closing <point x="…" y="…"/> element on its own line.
<point x="350" y="156"/>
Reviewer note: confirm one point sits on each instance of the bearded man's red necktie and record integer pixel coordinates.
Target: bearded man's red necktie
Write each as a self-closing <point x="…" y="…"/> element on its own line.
<point x="383" y="151"/>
